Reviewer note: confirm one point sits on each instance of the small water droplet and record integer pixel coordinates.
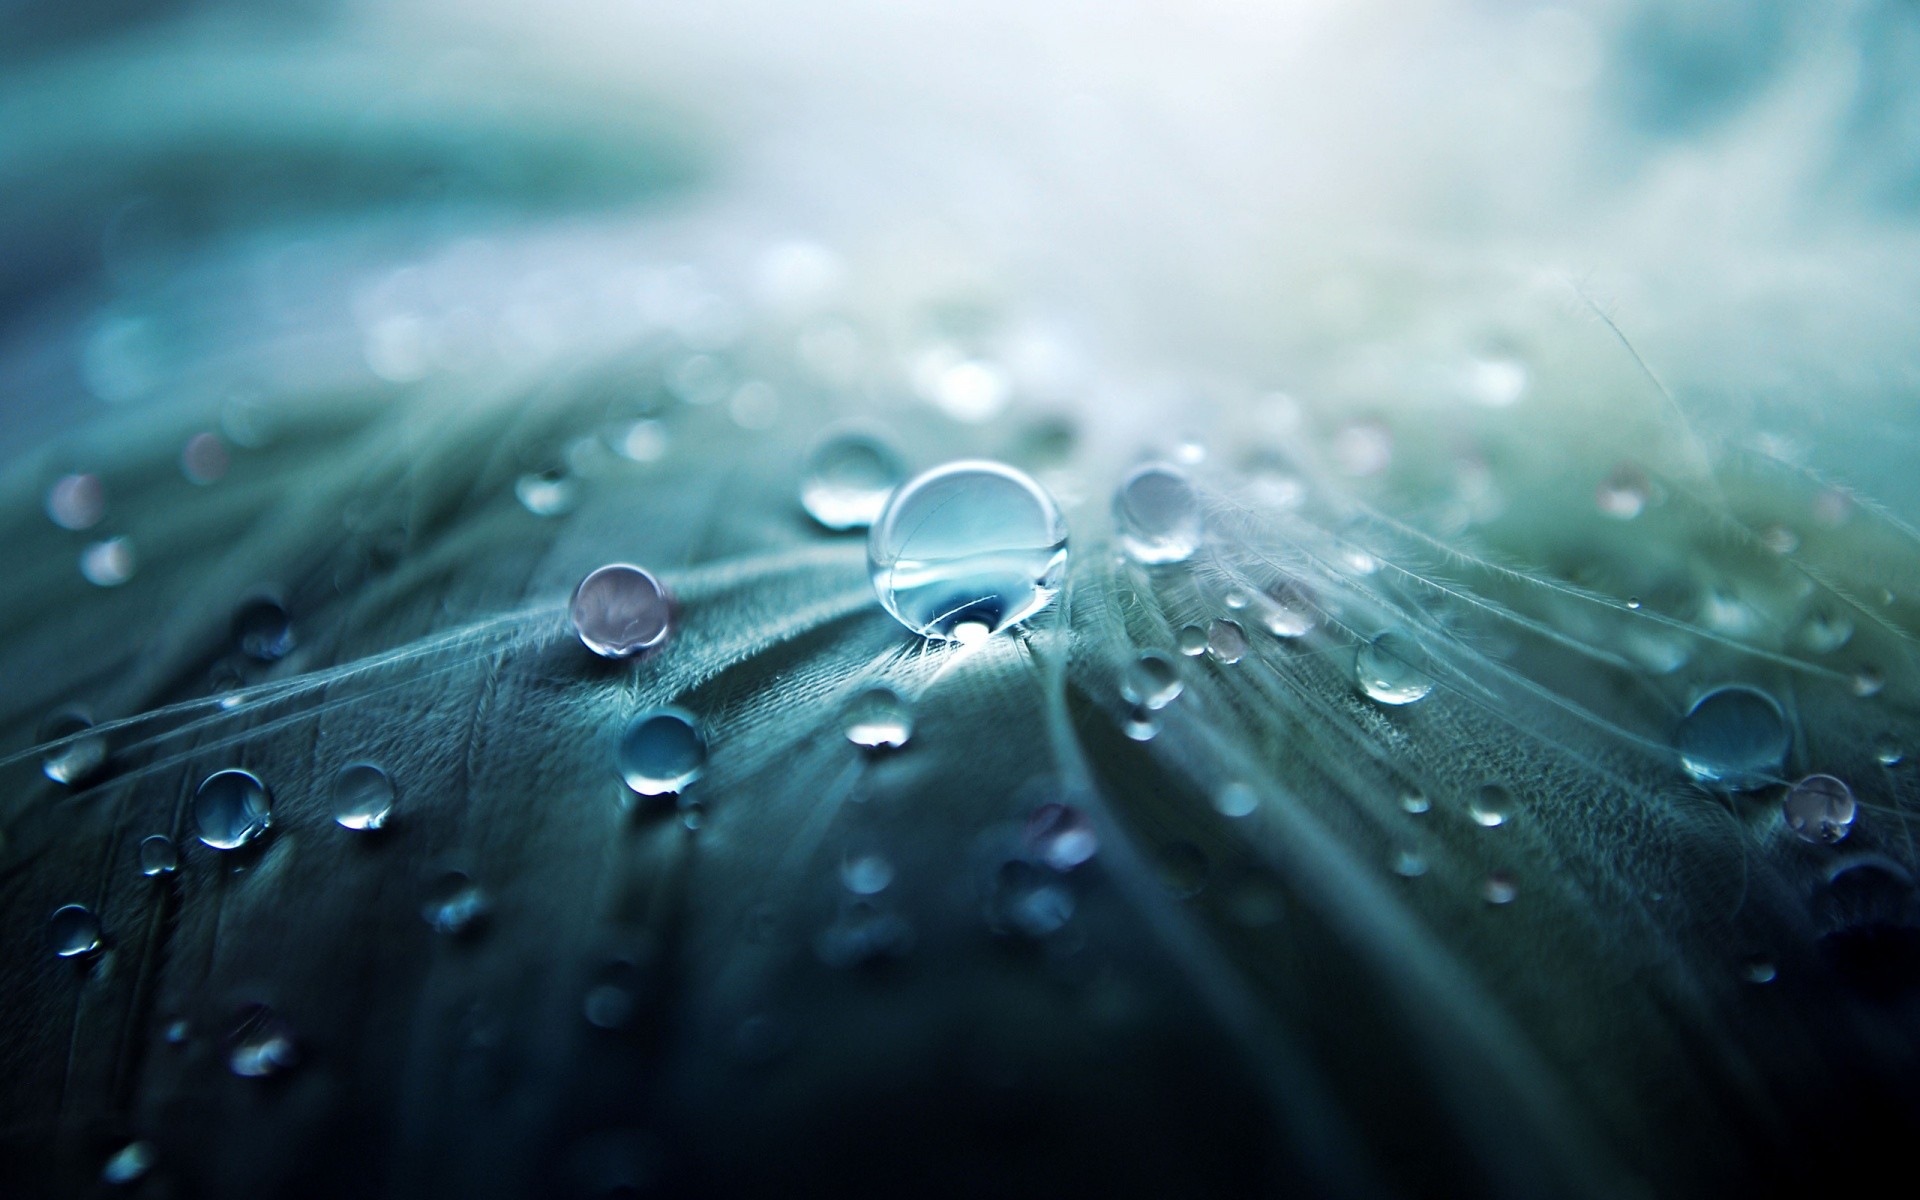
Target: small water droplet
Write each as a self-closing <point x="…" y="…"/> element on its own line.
<point x="1287" y="613"/>
<point x="1633" y="602"/>
<point x="1150" y="680"/>
<point x="1824" y="631"/>
<point x="866" y="874"/>
<point x="109" y="563"/>
<point x="849" y="476"/>
<point x="1142" y="724"/>
<point x="1499" y="888"/>
<point x="454" y="903"/>
<point x="1758" y="969"/>
<point x="1888" y="753"/>
<point x="662" y="751"/>
<point x="1193" y="641"/>
<point x="75" y="761"/>
<point x="1024" y="902"/>
<point x="613" y="999"/>
<point x="1819" y="809"/>
<point x="970" y="543"/>
<point x="177" y="1033"/>
<point x="1780" y="539"/>
<point x="1226" y="642"/>
<point x="128" y="1165"/>
<point x="1409" y="865"/>
<point x="1061" y="836"/>
<point x="260" y="1044"/>
<point x="1490" y="806"/>
<point x="159" y="856"/>
<point x="1363" y="448"/>
<point x="362" y="796"/>
<point x="204" y="459"/>
<point x="1868" y="681"/>
<point x="1623" y="494"/>
<point x="1415" y="802"/>
<point x="549" y="493"/>
<point x="73" y="931"/>
<point x="877" y="718"/>
<point x="621" y="610"/>
<point x="231" y="808"/>
<point x="76" y="501"/>
<point x="1393" y="669"/>
<point x="1236" y="800"/>
<point x="863" y="933"/>
<point x="1734" y="736"/>
<point x="262" y="628"/>
<point x="1158" y="515"/>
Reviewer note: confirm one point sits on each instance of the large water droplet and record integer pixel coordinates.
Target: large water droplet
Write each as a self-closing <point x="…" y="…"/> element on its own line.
<point x="966" y="547"/>
<point x="362" y="796"/>
<point x="1393" y="669"/>
<point x="1226" y="642"/>
<point x="454" y="903"/>
<point x="662" y="751"/>
<point x="77" y="501"/>
<point x="848" y="478"/>
<point x="260" y="1043"/>
<point x="1158" y="515"/>
<point x="231" y="808"/>
<point x="159" y="856"/>
<point x="1150" y="680"/>
<point x="1060" y="836"/>
<point x="1820" y="809"/>
<point x="262" y="628"/>
<point x="878" y="719"/>
<point x="1734" y="736"/>
<point x="75" y="761"/>
<point x="621" y="610"/>
<point x="1490" y="806"/>
<point x="73" y="931"/>
<point x="1285" y="612"/>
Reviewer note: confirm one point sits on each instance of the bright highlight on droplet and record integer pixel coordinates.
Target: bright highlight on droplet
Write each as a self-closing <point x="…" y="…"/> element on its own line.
<point x="621" y="610"/>
<point x="966" y="550"/>
<point x="878" y="719"/>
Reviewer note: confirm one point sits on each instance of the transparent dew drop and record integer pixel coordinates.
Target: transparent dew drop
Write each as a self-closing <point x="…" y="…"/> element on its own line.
<point x="159" y="856"/>
<point x="1409" y="865"/>
<point x="1868" y="681"/>
<point x="1734" y="736"/>
<point x="877" y="718"/>
<point x="1024" y="902"/>
<point x="863" y="933"/>
<point x="1623" y="494"/>
<point x="231" y="808"/>
<point x="1819" y="809"/>
<point x="1490" y="806"/>
<point x="1888" y="753"/>
<point x="849" y="476"/>
<point x="621" y="610"/>
<point x="75" y="761"/>
<point x="1824" y="631"/>
<point x="1150" y="681"/>
<point x="1758" y="969"/>
<point x="76" y="501"/>
<point x="613" y="1000"/>
<point x="1236" y="800"/>
<point x="109" y="563"/>
<point x="1142" y="724"/>
<point x="661" y="751"/>
<point x="73" y="931"/>
<point x="362" y="796"/>
<point x="454" y="903"/>
<point x="1415" y="802"/>
<point x="1285" y="612"/>
<point x="1226" y="642"/>
<point x="1061" y="836"/>
<point x="549" y="493"/>
<point x="967" y="550"/>
<point x="262" y="628"/>
<point x="204" y="459"/>
<point x="1193" y="641"/>
<point x="866" y="874"/>
<point x="260" y="1043"/>
<point x="1393" y="669"/>
<point x="1158" y="515"/>
<point x="642" y="441"/>
<point x="128" y="1165"/>
<point x="1499" y="888"/>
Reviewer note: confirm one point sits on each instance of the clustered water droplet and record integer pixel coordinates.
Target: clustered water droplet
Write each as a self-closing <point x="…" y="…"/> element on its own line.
<point x="362" y="796"/>
<point x="1393" y="669"/>
<point x="1226" y="642"/>
<point x="621" y="610"/>
<point x="966" y="550"/>
<point x="661" y="751"/>
<point x="1158" y="515"/>
<point x="1150" y="680"/>
<point x="231" y="808"/>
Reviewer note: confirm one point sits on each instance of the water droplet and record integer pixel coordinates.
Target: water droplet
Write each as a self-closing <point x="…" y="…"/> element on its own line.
<point x="1819" y="809"/>
<point x="1499" y="888"/>
<point x="1490" y="806"/>
<point x="1623" y="494"/>
<point x="1142" y="724"/>
<point x="1236" y="800"/>
<point x="73" y="930"/>
<point x="75" y="761"/>
<point x="1286" y="612"/>
<point x="362" y="796"/>
<point x="128" y="1165"/>
<point x="262" y="628"/>
<point x="1226" y="642"/>
<point x="1824" y="631"/>
<point x="1757" y="969"/>
<point x="260" y="1044"/>
<point x="76" y="501"/>
<point x="1392" y="669"/>
<point x="177" y="1033"/>
<point x="204" y="459"/>
<point x="1415" y="802"/>
<point x="621" y="610"/>
<point x="1061" y="836"/>
<point x="1193" y="641"/>
<point x="1887" y="752"/>
<point x="1158" y="515"/>
<point x="454" y="903"/>
<point x="642" y="441"/>
<point x="878" y="719"/>
<point x="967" y="544"/>
<point x="1409" y="865"/>
<point x="1024" y="902"/>
<point x="1150" y="680"/>
<point x="848" y="478"/>
<point x="1633" y="602"/>
<point x="1734" y="736"/>
<point x="231" y="808"/>
<point x="1363" y="448"/>
<point x="109" y="563"/>
<point x="549" y="493"/>
<point x="662" y="751"/>
<point x="159" y="856"/>
<point x="1780" y="539"/>
<point x="614" y="998"/>
<point x="863" y="933"/>
<point x="1868" y="682"/>
<point x="866" y="874"/>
